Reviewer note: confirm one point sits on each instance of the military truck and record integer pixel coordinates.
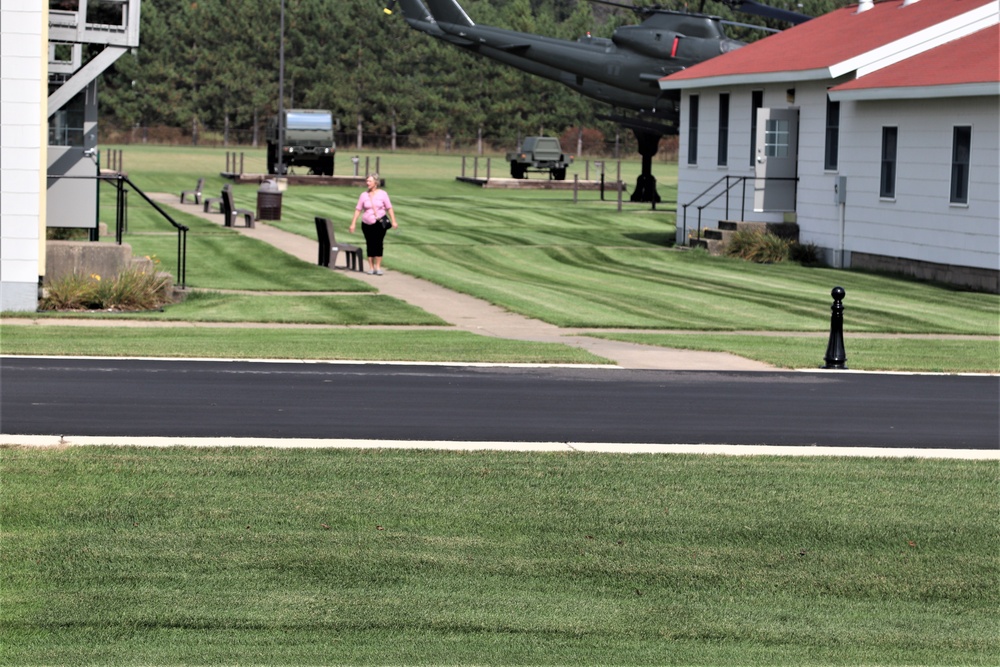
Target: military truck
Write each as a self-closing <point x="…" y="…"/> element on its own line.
<point x="539" y="154"/>
<point x="309" y="141"/>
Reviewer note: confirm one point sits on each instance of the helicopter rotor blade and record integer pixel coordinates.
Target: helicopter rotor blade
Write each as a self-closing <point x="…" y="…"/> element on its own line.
<point x="750" y="26"/>
<point x="620" y="5"/>
<point x="746" y="6"/>
<point x="766" y="11"/>
<point x="643" y="10"/>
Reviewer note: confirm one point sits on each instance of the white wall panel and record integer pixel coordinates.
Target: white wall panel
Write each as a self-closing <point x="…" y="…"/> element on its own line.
<point x="23" y="56"/>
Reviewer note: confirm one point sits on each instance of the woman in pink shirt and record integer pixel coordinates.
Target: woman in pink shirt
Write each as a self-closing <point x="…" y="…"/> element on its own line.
<point x="372" y="205"/>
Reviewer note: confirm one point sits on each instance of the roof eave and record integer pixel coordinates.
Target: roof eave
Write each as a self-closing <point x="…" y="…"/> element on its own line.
<point x="985" y="89"/>
<point x="749" y="79"/>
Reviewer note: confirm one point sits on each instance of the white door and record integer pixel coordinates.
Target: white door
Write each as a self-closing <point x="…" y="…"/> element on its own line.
<point x="776" y="164"/>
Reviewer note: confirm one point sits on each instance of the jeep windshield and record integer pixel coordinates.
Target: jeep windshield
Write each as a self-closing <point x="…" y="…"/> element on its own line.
<point x="309" y="121"/>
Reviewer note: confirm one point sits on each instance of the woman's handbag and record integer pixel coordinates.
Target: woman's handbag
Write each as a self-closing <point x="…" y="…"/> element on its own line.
<point x="384" y="220"/>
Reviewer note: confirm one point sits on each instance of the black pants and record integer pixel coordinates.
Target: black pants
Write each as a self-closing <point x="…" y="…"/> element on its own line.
<point x="374" y="234"/>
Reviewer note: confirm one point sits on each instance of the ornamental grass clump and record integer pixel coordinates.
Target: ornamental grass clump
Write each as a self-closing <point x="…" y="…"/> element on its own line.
<point x="766" y="248"/>
<point x="132" y="289"/>
<point x="759" y="247"/>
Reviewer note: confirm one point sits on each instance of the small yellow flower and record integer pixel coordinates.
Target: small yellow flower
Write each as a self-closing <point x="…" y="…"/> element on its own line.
<point x="95" y="277"/>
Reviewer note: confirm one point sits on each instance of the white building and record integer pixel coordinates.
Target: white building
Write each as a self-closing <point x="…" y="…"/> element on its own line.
<point x="882" y="119"/>
<point x="48" y="126"/>
<point x="23" y="93"/>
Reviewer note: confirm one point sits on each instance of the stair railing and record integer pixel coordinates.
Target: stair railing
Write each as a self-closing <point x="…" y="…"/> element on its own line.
<point x="730" y="182"/>
<point x="121" y="220"/>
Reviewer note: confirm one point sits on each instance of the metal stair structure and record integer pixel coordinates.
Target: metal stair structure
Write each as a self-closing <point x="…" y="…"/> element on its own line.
<point x="73" y="23"/>
<point x="77" y="28"/>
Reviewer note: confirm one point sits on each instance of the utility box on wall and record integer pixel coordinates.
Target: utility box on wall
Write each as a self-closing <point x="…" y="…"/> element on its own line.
<point x="840" y="190"/>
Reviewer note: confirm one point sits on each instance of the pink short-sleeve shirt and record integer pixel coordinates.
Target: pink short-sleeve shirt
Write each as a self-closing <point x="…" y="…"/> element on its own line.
<point x="369" y="213"/>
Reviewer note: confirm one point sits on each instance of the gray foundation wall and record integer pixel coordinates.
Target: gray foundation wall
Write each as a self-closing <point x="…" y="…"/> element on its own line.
<point x="981" y="280"/>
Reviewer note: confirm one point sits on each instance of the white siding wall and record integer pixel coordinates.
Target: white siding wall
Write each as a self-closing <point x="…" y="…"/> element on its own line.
<point x="22" y="172"/>
<point x="693" y="180"/>
<point x="817" y="214"/>
<point x="920" y="223"/>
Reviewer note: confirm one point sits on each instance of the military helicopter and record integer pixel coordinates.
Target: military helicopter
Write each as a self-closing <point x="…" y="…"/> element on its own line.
<point x="622" y="71"/>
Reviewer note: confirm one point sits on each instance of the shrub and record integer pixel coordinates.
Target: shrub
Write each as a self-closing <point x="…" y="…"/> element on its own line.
<point x="806" y="254"/>
<point x="66" y="234"/>
<point x="759" y="247"/>
<point x="593" y="140"/>
<point x="132" y="289"/>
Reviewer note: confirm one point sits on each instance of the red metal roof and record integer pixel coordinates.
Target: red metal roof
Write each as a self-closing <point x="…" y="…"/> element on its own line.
<point x="972" y="59"/>
<point x="831" y="39"/>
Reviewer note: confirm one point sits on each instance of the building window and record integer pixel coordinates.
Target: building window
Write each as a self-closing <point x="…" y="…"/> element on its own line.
<point x="723" y="158"/>
<point x="777" y="138"/>
<point x="693" y="129"/>
<point x="961" y="148"/>
<point x="756" y="102"/>
<point x="887" y="184"/>
<point x="831" y="154"/>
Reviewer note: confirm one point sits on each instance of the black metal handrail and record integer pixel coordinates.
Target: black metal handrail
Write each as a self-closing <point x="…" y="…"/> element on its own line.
<point x="121" y="209"/>
<point x="706" y="191"/>
<point x="725" y="191"/>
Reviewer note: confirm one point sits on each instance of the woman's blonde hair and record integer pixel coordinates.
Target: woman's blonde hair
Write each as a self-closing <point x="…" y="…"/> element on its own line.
<point x="374" y="176"/>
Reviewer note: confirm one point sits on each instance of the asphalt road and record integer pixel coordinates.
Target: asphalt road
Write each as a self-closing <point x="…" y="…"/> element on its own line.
<point x="142" y="398"/>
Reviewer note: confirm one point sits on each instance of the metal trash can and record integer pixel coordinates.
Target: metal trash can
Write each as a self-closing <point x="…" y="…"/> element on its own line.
<point x="269" y="201"/>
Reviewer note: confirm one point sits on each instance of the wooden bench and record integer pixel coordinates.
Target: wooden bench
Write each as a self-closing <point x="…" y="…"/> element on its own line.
<point x="216" y="201"/>
<point x="354" y="257"/>
<point x="231" y="213"/>
<point x="196" y="193"/>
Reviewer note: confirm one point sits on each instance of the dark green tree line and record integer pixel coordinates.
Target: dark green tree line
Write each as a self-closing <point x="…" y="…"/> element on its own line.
<point x="215" y="64"/>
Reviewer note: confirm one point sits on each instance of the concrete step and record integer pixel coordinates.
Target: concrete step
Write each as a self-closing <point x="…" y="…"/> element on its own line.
<point x="717" y="234"/>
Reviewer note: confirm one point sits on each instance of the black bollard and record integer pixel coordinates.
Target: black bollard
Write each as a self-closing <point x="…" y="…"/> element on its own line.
<point x="836" y="356"/>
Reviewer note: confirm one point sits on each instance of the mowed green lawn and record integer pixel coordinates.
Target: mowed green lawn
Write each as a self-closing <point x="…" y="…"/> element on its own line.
<point x="129" y="556"/>
<point x="579" y="264"/>
<point x="181" y="556"/>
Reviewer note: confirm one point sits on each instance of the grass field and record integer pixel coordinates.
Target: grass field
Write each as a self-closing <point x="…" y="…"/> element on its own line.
<point x="577" y="264"/>
<point x="183" y="556"/>
<point x="120" y="556"/>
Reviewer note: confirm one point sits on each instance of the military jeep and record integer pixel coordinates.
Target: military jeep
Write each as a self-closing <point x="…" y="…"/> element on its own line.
<point x="308" y="142"/>
<point x="539" y="154"/>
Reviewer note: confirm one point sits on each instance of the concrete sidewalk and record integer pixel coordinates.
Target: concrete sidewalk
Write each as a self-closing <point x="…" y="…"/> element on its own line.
<point x="470" y="314"/>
